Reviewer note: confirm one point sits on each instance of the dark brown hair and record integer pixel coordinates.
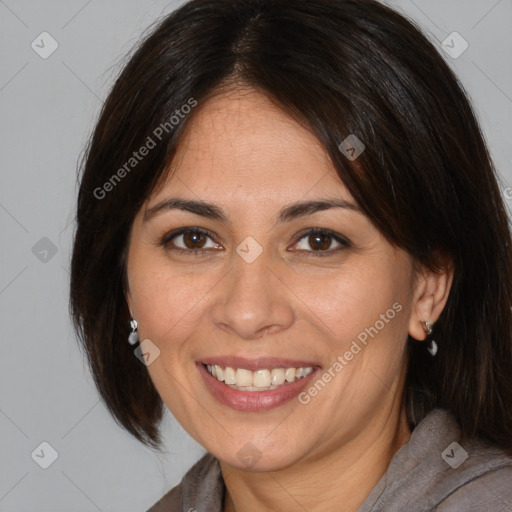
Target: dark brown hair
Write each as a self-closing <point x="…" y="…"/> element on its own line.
<point x="425" y="180"/>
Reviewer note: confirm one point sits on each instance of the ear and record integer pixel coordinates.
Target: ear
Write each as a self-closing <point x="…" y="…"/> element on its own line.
<point x="431" y="290"/>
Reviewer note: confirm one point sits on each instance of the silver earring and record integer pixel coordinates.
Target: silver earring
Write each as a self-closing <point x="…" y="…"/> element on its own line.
<point x="432" y="348"/>
<point x="134" y="335"/>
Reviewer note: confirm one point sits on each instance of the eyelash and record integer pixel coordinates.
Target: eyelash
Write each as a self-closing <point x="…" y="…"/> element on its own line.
<point x="167" y="238"/>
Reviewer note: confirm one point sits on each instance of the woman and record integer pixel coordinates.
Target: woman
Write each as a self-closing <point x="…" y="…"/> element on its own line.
<point x="282" y="199"/>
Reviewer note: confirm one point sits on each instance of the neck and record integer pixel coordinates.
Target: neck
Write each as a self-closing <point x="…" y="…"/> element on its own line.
<point x="345" y="476"/>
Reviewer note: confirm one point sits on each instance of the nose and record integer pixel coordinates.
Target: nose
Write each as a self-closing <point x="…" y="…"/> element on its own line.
<point x="253" y="301"/>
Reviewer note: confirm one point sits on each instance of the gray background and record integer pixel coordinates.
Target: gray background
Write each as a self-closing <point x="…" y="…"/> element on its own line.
<point x="48" y="107"/>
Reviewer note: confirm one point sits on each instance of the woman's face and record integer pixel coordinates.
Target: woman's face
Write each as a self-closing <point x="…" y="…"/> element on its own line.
<point x="267" y="278"/>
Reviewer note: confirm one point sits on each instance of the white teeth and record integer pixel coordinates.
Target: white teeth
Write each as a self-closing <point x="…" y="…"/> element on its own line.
<point x="243" y="377"/>
<point x="260" y="380"/>
<point x="290" y="374"/>
<point x="277" y="376"/>
<point x="229" y="375"/>
<point x="219" y="373"/>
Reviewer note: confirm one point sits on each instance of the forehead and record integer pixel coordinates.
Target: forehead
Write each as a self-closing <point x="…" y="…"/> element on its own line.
<point x="240" y="143"/>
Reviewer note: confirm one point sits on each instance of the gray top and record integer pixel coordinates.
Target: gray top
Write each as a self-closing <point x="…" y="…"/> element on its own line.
<point x="431" y="472"/>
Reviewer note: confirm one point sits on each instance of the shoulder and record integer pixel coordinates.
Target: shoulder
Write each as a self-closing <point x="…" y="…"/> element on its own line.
<point x="202" y="486"/>
<point x="491" y="491"/>
<point x="171" y="502"/>
<point x="437" y="471"/>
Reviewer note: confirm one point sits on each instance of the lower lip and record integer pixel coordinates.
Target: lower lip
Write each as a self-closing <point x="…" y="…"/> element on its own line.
<point x="253" y="401"/>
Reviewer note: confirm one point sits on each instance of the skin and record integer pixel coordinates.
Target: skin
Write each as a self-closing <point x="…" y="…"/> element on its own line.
<point x="248" y="157"/>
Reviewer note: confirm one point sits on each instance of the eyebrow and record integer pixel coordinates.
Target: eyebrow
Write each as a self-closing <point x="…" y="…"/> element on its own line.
<point x="211" y="211"/>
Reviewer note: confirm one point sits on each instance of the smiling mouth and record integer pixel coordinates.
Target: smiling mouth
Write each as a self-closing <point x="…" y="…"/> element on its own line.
<point x="259" y="380"/>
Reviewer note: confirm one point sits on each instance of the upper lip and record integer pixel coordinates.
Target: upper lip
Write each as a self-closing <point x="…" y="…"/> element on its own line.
<point x="259" y="363"/>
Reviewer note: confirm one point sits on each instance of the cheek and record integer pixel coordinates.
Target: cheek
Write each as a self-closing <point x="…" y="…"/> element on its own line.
<point x="168" y="307"/>
<point x="165" y="301"/>
<point x="365" y="316"/>
<point x="168" y="299"/>
<point x="347" y="301"/>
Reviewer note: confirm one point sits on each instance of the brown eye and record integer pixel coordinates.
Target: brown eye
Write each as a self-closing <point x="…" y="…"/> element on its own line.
<point x="319" y="242"/>
<point x="194" y="240"/>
